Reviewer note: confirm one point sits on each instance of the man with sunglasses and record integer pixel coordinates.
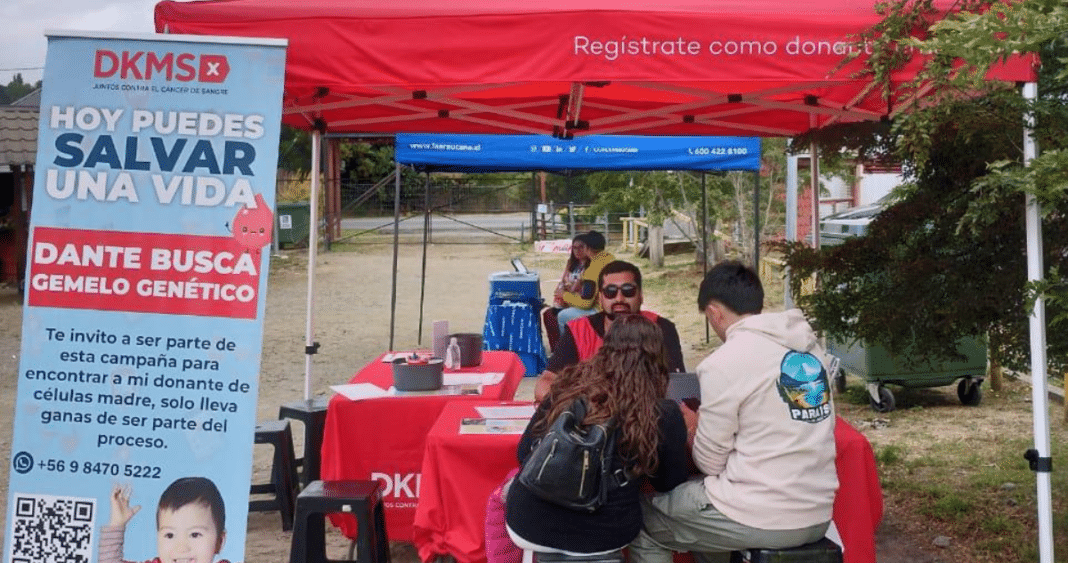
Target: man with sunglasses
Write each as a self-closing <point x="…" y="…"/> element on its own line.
<point x="620" y="293"/>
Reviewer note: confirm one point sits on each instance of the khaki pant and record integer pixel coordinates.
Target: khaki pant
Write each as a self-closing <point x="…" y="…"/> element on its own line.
<point x="685" y="520"/>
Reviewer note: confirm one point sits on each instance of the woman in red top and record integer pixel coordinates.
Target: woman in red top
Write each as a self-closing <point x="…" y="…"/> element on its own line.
<point x="569" y="281"/>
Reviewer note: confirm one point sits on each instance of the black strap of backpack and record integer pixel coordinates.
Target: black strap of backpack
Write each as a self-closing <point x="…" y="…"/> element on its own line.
<point x="619" y="476"/>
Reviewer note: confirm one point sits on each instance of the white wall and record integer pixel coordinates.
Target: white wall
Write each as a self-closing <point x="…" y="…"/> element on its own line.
<point x="872" y="188"/>
<point x="875" y="186"/>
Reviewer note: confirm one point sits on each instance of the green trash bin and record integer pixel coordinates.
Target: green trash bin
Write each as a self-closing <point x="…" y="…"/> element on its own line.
<point x="292" y="221"/>
<point x="878" y="367"/>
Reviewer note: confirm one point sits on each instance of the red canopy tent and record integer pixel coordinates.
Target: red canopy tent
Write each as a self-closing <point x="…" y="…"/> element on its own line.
<point x="575" y="67"/>
<point x="682" y="67"/>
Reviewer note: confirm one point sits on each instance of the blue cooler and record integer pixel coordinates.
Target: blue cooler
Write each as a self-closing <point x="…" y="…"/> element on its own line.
<point x="514" y="286"/>
<point x="513" y="318"/>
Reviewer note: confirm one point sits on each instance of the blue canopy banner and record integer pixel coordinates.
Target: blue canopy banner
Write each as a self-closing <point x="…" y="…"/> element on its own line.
<point x="517" y="153"/>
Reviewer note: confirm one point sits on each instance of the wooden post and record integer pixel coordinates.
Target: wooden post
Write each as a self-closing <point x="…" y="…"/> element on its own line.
<point x="656" y="245"/>
<point x="332" y="191"/>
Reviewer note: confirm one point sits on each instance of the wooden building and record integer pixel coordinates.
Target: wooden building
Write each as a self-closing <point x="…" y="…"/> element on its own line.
<point x="18" y="153"/>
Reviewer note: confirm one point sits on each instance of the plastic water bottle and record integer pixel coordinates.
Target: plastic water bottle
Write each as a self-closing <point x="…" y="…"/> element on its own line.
<point x="452" y="354"/>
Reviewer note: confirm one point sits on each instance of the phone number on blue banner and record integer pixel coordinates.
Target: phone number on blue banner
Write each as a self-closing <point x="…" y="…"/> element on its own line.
<point x="718" y="151"/>
<point x="99" y="468"/>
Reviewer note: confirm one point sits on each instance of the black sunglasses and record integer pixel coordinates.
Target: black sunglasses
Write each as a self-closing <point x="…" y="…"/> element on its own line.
<point x="628" y="289"/>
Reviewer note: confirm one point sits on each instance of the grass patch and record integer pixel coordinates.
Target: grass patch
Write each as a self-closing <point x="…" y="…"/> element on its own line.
<point x="1000" y="526"/>
<point x="950" y="506"/>
<point x="855" y="395"/>
<point x="979" y="492"/>
<point x="890" y="455"/>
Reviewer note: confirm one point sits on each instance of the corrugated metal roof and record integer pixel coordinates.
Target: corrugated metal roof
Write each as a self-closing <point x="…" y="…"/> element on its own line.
<point x="18" y="135"/>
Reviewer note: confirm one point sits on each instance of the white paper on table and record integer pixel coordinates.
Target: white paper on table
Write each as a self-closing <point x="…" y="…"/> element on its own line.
<point x="506" y="411"/>
<point x="394" y="355"/>
<point x="461" y="379"/>
<point x="505" y="426"/>
<point x="492" y="426"/>
<point x="357" y="391"/>
<point x="465" y="389"/>
<point x="490" y="378"/>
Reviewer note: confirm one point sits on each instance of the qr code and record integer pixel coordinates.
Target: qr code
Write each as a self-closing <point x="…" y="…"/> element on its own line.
<point x="51" y="529"/>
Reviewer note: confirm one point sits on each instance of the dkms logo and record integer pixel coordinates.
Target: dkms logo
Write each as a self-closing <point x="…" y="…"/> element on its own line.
<point x="146" y="65"/>
<point x="804" y="386"/>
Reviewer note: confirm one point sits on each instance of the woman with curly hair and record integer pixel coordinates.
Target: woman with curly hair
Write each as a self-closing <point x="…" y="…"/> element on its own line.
<point x="625" y="382"/>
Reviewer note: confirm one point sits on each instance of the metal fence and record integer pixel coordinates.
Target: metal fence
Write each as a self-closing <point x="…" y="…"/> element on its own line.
<point x="377" y="199"/>
<point x="460" y="203"/>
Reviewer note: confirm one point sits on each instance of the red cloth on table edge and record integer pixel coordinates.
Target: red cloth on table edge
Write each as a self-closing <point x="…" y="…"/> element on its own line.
<point x="388" y="435"/>
<point x="859" y="535"/>
<point x="453" y="503"/>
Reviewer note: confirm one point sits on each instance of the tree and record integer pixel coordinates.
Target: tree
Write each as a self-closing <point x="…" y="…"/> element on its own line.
<point x="729" y="195"/>
<point x="947" y="260"/>
<point x="294" y="151"/>
<point x="661" y="195"/>
<point x="365" y="162"/>
<point x="16" y="89"/>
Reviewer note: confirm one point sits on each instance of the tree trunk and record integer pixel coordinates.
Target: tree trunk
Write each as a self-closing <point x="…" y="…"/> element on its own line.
<point x="993" y="370"/>
<point x="993" y="373"/>
<point x="656" y="246"/>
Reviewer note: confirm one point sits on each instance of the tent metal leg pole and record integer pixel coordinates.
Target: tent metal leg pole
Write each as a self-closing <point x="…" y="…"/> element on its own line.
<point x="310" y="346"/>
<point x="814" y="172"/>
<point x="756" y="221"/>
<point x="704" y="224"/>
<point x="396" y="244"/>
<point x="533" y="207"/>
<point x="704" y="237"/>
<point x="791" y="217"/>
<point x="1037" y="329"/>
<point x="426" y="234"/>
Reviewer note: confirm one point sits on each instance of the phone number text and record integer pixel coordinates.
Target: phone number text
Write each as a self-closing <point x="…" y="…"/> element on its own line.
<point x="718" y="151"/>
<point x="99" y="468"/>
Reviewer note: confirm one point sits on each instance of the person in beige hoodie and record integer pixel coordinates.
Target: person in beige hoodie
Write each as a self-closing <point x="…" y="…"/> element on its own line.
<point x="762" y="438"/>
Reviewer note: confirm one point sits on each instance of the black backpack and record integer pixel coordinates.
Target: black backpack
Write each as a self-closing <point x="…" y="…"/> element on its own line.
<point x="571" y="465"/>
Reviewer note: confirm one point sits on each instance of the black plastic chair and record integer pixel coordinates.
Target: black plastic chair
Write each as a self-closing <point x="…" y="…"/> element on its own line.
<point x="312" y="414"/>
<point x="363" y="499"/>
<point x="283" y="484"/>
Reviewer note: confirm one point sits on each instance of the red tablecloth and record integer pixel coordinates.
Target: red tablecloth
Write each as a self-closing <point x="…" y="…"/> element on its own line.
<point x="858" y="506"/>
<point x="384" y="438"/>
<point x="460" y="471"/>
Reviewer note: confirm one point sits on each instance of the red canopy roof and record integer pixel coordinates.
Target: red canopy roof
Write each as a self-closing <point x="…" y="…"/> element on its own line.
<point x="681" y="67"/>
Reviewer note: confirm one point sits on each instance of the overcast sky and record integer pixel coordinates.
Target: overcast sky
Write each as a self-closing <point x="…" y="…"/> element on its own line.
<point x="24" y="23"/>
